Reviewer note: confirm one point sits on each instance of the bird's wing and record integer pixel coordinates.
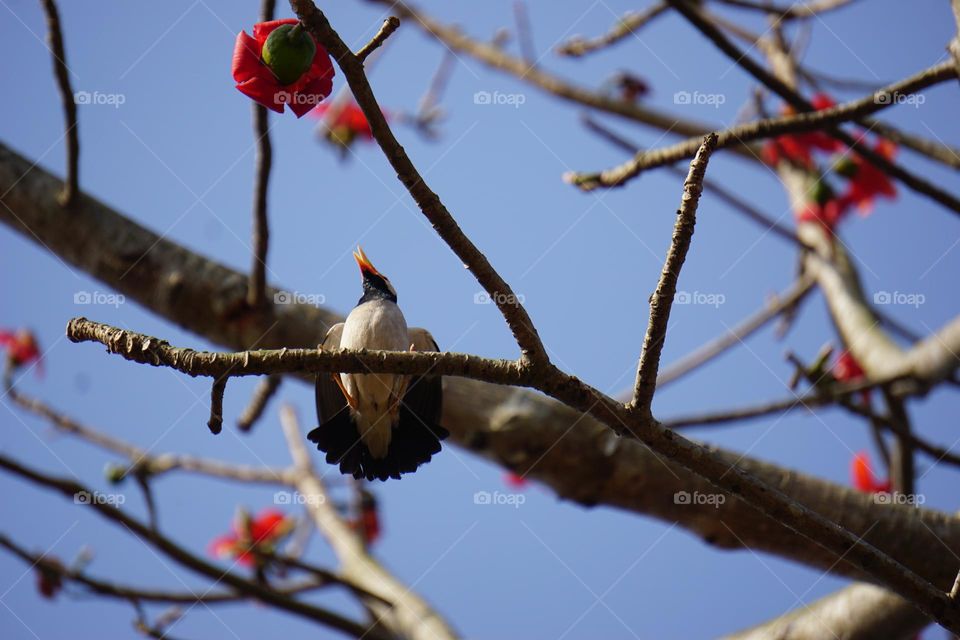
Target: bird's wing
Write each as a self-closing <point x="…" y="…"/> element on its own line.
<point x="330" y="400"/>
<point x="425" y="393"/>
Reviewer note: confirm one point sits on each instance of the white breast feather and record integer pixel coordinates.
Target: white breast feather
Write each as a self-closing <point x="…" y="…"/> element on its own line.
<point x="378" y="324"/>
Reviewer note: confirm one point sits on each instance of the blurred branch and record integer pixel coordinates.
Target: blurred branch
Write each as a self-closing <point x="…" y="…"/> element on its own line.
<point x="409" y="616"/>
<point x="61" y="72"/>
<point x="265" y="390"/>
<point x="778" y="86"/>
<point x="521" y="17"/>
<point x="185" y="558"/>
<point x="452" y="38"/>
<point x="736" y="336"/>
<point x="625" y="26"/>
<point x="141" y="460"/>
<point x="662" y="299"/>
<point x="716" y="188"/>
<point x="116" y="590"/>
<point x="858" y="612"/>
<point x="766" y="128"/>
<point x="795" y="11"/>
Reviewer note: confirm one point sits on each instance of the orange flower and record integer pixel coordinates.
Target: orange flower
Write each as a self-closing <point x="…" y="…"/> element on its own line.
<point x="862" y="475"/>
<point x="263" y="533"/>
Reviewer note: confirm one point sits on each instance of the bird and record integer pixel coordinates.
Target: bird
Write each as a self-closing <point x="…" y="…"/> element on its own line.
<point x="378" y="425"/>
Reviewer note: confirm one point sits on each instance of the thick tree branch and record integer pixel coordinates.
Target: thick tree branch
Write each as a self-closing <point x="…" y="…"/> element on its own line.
<point x="662" y="299"/>
<point x="568" y="451"/>
<point x="858" y="612"/>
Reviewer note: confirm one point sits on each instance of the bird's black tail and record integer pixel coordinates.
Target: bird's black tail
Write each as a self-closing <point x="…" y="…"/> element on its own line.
<point x="412" y="443"/>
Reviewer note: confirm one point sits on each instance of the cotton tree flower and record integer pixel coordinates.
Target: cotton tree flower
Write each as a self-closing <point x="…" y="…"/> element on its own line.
<point x="281" y="64"/>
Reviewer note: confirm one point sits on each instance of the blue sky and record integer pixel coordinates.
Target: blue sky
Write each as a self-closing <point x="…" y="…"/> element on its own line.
<point x="177" y="156"/>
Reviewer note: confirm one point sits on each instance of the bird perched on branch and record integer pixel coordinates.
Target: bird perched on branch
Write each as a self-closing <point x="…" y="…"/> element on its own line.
<point x="378" y="425"/>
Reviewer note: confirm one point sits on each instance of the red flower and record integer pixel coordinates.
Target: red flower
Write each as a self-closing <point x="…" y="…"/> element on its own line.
<point x="256" y="80"/>
<point x="867" y="181"/>
<point x="862" y="475"/>
<point x="261" y="534"/>
<point x="367" y="522"/>
<point x="22" y="347"/>
<point x="828" y="214"/>
<point x="49" y="577"/>
<point x="798" y="148"/>
<point x="515" y="480"/>
<point x="847" y="369"/>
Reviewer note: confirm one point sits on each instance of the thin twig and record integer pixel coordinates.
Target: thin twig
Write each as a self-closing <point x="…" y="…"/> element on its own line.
<point x="738" y="334"/>
<point x="389" y="25"/>
<point x="798" y="10"/>
<point x="524" y="32"/>
<point x="265" y="390"/>
<point x="105" y="588"/>
<point x="902" y="467"/>
<point x="71" y="186"/>
<point x="625" y="26"/>
<point x="217" y="389"/>
<point x="257" y="285"/>
<point x="715" y="187"/>
<point x="662" y="299"/>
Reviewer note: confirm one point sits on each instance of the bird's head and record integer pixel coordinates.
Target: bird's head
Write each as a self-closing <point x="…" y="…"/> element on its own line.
<point x="376" y="286"/>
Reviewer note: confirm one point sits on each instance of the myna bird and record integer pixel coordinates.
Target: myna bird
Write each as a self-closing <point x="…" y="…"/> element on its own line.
<point x="378" y="425"/>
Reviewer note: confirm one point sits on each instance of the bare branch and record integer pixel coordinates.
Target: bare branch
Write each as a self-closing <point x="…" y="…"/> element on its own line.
<point x="265" y="390"/>
<point x="71" y="186"/>
<point x="256" y="292"/>
<point x="389" y="25"/>
<point x="187" y="559"/>
<point x="625" y="26"/>
<point x="775" y="84"/>
<point x="662" y="299"/>
<point x="408" y="616"/>
<point x="766" y="128"/>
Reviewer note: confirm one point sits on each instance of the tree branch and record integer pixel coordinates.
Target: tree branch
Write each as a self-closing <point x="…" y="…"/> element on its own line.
<point x="767" y="128"/>
<point x="389" y="25"/>
<point x="662" y="299"/>
<point x="625" y="27"/>
<point x="532" y="349"/>
<point x="61" y="72"/>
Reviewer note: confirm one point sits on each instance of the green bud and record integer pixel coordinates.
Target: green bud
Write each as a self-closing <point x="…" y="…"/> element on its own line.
<point x="845" y="166"/>
<point x="821" y="191"/>
<point x="114" y="473"/>
<point x="289" y="52"/>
